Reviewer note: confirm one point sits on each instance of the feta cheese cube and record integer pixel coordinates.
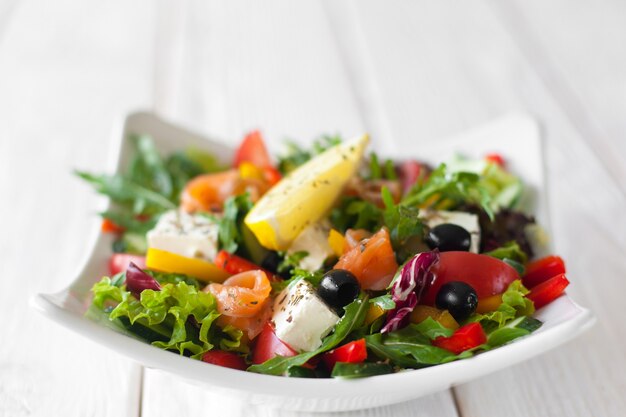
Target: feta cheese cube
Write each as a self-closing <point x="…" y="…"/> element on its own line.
<point x="468" y="221"/>
<point x="301" y="319"/>
<point x="314" y="241"/>
<point x="190" y="235"/>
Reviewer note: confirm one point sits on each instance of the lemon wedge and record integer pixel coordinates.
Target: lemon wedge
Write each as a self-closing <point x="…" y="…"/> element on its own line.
<point x="305" y="195"/>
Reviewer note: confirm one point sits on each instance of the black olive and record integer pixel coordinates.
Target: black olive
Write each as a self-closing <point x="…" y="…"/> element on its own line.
<point x="271" y="262"/>
<point x="458" y="298"/>
<point x="338" y="288"/>
<point x="449" y="237"/>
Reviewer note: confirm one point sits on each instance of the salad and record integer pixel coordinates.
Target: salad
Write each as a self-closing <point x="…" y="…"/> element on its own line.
<point x="329" y="262"/>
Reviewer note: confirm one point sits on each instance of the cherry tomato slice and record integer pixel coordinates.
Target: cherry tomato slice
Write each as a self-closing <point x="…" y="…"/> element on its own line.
<point x="118" y="262"/>
<point x="488" y="276"/>
<point x="253" y="150"/>
<point x="268" y="345"/>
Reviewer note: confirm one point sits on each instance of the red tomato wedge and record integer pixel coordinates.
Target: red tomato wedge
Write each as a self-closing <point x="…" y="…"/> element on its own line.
<point x="253" y="150"/>
<point x="548" y="291"/>
<point x="268" y="345"/>
<point x="372" y="261"/>
<point x="353" y="352"/>
<point x="467" y="337"/>
<point x="241" y="295"/>
<point x="225" y="359"/>
<point x="495" y="158"/>
<point x="118" y="262"/>
<point x="208" y="192"/>
<point x="488" y="276"/>
<point x="542" y="270"/>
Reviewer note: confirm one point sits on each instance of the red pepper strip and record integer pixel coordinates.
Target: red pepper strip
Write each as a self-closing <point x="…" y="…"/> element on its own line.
<point x="234" y="264"/>
<point x="467" y="337"/>
<point x="353" y="352"/>
<point x="109" y="227"/>
<point x="271" y="174"/>
<point x="548" y="291"/>
<point x="495" y="158"/>
<point x="225" y="359"/>
<point x="542" y="270"/>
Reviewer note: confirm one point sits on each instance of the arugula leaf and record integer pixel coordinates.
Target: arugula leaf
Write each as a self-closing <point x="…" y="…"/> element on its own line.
<point x="410" y="348"/>
<point x="403" y="223"/>
<point x="229" y="225"/>
<point x="352" y="319"/>
<point x="360" y="370"/>
<point x="384" y="301"/>
<point x="148" y="168"/>
<point x="297" y="274"/>
<point x="354" y="213"/>
<point x="126" y="192"/>
<point x="432" y="329"/>
<point x="456" y="187"/>
<point x="291" y="261"/>
<point x="130" y="224"/>
<point x="296" y="155"/>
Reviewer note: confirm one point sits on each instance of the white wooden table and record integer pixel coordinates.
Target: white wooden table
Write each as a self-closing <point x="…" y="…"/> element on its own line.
<point x="406" y="71"/>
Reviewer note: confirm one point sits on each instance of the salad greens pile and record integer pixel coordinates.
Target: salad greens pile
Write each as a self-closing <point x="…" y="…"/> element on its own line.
<point x="396" y="230"/>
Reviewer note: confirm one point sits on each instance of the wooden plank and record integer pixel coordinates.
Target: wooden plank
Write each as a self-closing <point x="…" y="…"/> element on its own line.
<point x="275" y="66"/>
<point x="454" y="66"/>
<point x="68" y="70"/>
<point x="578" y="49"/>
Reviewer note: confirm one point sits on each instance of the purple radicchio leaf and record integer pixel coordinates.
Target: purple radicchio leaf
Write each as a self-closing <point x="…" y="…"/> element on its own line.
<point x="137" y="280"/>
<point x="415" y="278"/>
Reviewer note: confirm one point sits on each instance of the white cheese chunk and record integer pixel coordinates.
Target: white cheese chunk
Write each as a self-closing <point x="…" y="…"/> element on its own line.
<point x="301" y="319"/>
<point x="190" y="235"/>
<point x="468" y="221"/>
<point x="314" y="241"/>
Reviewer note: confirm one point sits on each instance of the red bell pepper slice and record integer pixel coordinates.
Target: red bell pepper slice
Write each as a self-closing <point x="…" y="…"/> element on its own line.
<point x="548" y="291"/>
<point x="268" y="345"/>
<point x="109" y="227"/>
<point x="234" y="265"/>
<point x="353" y="352"/>
<point x="225" y="359"/>
<point x="466" y="337"/>
<point x="118" y="262"/>
<point x="542" y="270"/>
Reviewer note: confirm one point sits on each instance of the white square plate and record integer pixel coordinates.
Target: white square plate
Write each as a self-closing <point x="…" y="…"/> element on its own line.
<point x="517" y="137"/>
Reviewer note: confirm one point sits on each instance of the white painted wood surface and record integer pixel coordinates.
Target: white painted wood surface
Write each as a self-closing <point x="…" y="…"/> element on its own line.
<point x="408" y="72"/>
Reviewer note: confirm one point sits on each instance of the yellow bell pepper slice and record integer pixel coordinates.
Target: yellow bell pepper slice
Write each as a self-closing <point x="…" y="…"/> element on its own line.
<point x="443" y="317"/>
<point x="488" y="304"/>
<point x="163" y="261"/>
<point x="373" y="312"/>
<point x="248" y="170"/>
<point x="336" y="242"/>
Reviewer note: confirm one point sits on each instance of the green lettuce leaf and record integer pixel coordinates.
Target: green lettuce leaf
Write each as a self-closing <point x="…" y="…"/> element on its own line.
<point x="180" y="311"/>
<point x="514" y="304"/>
